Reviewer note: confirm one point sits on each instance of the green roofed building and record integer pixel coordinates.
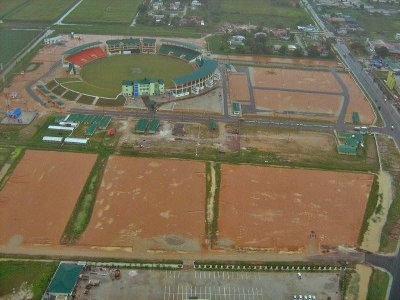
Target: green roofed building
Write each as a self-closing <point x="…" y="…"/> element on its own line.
<point x="194" y="82"/>
<point x="64" y="280"/>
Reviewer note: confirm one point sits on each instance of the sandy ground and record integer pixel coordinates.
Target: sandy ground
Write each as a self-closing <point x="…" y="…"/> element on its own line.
<point x="290" y="209"/>
<point x="372" y="237"/>
<point x="149" y="205"/>
<point x="295" y="79"/>
<point x="358" y="286"/>
<point x="358" y="102"/>
<point x="39" y="197"/>
<point x="295" y="104"/>
<point x="263" y="59"/>
<point x="238" y="87"/>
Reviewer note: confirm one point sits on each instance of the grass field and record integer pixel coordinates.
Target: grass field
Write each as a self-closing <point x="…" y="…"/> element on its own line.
<point x="104" y="11"/>
<point x="257" y="12"/>
<point x="7" y="6"/>
<point x="108" y="84"/>
<point x="39" y="10"/>
<point x="12" y="41"/>
<point x="36" y="274"/>
<point x="378" y="284"/>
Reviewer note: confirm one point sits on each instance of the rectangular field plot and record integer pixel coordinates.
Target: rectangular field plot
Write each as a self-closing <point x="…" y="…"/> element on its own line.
<point x="296" y="104"/>
<point x="13" y="41"/>
<point x="318" y="81"/>
<point x="40" y="10"/>
<point x="290" y="209"/>
<point x="238" y="87"/>
<point x="149" y="204"/>
<point x="39" y="197"/>
<point x="358" y="102"/>
<point x="213" y="285"/>
<point x="104" y="11"/>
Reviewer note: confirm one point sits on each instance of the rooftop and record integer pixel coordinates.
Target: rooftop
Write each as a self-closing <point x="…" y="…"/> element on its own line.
<point x="208" y="67"/>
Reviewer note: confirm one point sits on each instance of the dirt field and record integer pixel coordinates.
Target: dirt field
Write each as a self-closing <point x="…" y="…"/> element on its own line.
<point x="149" y="205"/>
<point x="298" y="104"/>
<point x="238" y="87"/>
<point x="295" y="61"/>
<point x="298" y="145"/>
<point x="358" y="102"/>
<point x="295" y="79"/>
<point x="290" y="209"/>
<point x="39" y="197"/>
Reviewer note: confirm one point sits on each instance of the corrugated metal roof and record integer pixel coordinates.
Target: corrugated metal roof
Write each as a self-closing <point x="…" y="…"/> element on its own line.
<point x="75" y="141"/>
<point x="130" y="41"/>
<point x="208" y="67"/>
<point x="64" y="279"/>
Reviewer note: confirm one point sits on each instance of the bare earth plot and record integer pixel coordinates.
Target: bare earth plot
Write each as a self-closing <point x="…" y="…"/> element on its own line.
<point x="39" y="197"/>
<point x="149" y="205"/>
<point x="238" y="87"/>
<point x="295" y="79"/>
<point x="290" y="209"/>
<point x="296" y="104"/>
<point x="295" y="61"/>
<point x="358" y="102"/>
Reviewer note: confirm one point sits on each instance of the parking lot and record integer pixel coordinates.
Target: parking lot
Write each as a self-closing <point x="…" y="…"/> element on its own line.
<point x="212" y="285"/>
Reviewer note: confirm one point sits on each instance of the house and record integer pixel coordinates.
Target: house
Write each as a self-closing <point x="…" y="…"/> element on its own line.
<point x="158" y="5"/>
<point x="196" y="3"/>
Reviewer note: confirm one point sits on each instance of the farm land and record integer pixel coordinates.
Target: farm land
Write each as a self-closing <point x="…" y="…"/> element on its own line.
<point x="24" y="192"/>
<point x="104" y="11"/>
<point x="293" y="209"/>
<point x="36" y="10"/>
<point x="13" y="41"/>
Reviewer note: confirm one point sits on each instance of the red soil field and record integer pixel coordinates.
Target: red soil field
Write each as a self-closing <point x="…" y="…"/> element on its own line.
<point x="306" y="103"/>
<point x="39" y="197"/>
<point x="294" y="61"/>
<point x="295" y="79"/>
<point x="238" y="87"/>
<point x="149" y="204"/>
<point x="358" y="102"/>
<point x="290" y="209"/>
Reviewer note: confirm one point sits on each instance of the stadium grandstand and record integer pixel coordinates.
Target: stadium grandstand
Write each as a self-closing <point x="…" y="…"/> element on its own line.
<point x="186" y="51"/>
<point x="131" y="45"/>
<point x="192" y="83"/>
<point x="78" y="56"/>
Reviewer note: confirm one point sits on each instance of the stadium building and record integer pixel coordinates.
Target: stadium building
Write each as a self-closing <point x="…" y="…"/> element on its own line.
<point x="131" y="45"/>
<point x="196" y="81"/>
<point x="149" y="87"/>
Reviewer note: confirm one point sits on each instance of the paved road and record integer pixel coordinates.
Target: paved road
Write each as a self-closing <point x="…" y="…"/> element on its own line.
<point x="390" y="118"/>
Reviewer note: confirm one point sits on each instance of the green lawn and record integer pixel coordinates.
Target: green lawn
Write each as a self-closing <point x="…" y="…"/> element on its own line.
<point x="4" y="155"/>
<point x="7" y="6"/>
<point x="40" y="10"/>
<point x="13" y="41"/>
<point x="103" y="77"/>
<point x="104" y="11"/>
<point x="378" y="284"/>
<point x="36" y="274"/>
<point x="257" y="12"/>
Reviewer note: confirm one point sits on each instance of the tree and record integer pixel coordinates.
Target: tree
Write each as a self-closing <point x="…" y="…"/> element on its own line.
<point x="382" y="51"/>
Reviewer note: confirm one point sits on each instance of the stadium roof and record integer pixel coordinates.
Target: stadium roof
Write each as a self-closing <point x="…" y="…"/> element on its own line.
<point x="65" y="278"/>
<point x="130" y="41"/>
<point x="148" y="81"/>
<point x="183" y="44"/>
<point x="80" y="48"/>
<point x="207" y="68"/>
<point x="127" y="82"/>
<point x="149" y="41"/>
